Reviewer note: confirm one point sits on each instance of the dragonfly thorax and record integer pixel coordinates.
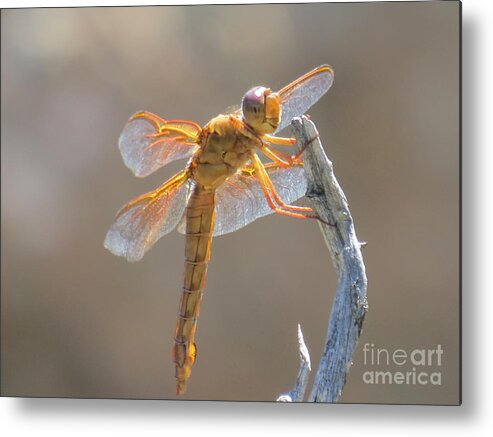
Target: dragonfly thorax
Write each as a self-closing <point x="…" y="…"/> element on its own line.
<point x="225" y="148"/>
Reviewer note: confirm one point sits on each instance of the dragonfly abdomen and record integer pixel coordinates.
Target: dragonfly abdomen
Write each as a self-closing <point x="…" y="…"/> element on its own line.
<point x="200" y="225"/>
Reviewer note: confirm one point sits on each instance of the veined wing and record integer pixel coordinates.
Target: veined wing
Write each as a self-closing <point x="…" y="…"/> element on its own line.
<point x="240" y="200"/>
<point x="148" y="142"/>
<point x="300" y="95"/>
<point x="144" y="220"/>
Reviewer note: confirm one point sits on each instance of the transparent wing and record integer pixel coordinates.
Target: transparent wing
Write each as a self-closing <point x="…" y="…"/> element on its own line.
<point x="144" y="220"/>
<point x="149" y="142"/>
<point x="300" y="95"/>
<point x="233" y="110"/>
<point x="240" y="200"/>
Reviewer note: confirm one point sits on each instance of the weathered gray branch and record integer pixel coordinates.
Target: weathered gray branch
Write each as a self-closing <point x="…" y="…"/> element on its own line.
<point x="350" y="302"/>
<point x="298" y="392"/>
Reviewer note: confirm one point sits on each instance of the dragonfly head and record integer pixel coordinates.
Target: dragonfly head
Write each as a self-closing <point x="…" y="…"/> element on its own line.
<point x="261" y="109"/>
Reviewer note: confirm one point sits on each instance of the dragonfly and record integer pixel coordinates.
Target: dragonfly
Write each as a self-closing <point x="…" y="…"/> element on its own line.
<point x="223" y="187"/>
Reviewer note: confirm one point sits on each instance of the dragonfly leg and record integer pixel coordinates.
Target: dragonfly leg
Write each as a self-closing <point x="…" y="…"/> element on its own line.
<point x="303" y="147"/>
<point x="283" y="159"/>
<point x="280" y="141"/>
<point x="273" y="197"/>
<point x="278" y="156"/>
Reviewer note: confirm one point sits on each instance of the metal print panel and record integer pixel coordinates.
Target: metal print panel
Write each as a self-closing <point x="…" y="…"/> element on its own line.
<point x="216" y="92"/>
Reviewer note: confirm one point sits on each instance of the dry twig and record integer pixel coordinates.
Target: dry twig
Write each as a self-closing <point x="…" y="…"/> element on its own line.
<point x="350" y="302"/>
<point x="298" y="392"/>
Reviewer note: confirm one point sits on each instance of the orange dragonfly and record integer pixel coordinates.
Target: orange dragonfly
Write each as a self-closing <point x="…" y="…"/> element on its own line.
<point x="224" y="186"/>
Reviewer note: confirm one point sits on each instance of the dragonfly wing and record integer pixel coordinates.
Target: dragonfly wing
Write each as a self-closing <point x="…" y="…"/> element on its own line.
<point x="300" y="95"/>
<point x="233" y="110"/>
<point x="143" y="221"/>
<point x="241" y="200"/>
<point x="149" y="142"/>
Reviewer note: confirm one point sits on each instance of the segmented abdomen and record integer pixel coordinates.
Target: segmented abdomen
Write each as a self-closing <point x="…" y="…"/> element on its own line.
<point x="200" y="225"/>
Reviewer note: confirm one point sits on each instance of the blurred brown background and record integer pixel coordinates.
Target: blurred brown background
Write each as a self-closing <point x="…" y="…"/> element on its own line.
<point x="80" y="322"/>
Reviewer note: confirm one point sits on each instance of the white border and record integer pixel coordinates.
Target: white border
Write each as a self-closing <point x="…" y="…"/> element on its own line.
<point x="135" y="418"/>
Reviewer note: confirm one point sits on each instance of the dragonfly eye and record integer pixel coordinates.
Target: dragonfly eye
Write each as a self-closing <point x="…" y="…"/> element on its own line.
<point x="253" y="106"/>
<point x="261" y="109"/>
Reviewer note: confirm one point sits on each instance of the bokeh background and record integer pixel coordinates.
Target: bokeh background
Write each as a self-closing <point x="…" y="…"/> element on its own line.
<point x="79" y="322"/>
